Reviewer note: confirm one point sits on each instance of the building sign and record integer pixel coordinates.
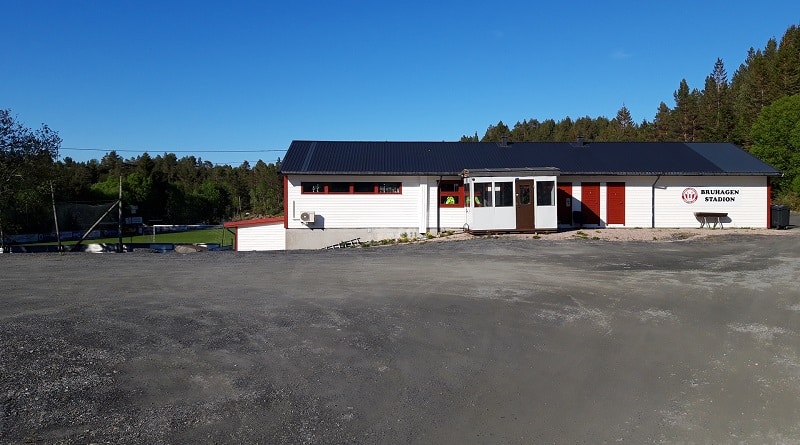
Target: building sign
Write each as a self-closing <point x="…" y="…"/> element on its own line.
<point x="691" y="195"/>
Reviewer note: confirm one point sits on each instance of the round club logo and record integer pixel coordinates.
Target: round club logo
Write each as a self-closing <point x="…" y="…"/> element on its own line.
<point x="689" y="195"/>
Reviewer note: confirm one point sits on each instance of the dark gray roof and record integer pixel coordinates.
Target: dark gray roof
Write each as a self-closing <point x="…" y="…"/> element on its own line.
<point x="591" y="158"/>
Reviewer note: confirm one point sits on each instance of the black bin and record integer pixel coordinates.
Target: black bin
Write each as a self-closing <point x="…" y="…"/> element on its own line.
<point x="780" y="216"/>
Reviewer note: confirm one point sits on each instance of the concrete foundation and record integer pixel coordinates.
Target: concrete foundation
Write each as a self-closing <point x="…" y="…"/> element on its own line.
<point x="308" y="238"/>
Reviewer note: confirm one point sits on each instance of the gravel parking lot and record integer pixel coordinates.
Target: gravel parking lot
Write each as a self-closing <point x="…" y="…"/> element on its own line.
<point x="476" y="341"/>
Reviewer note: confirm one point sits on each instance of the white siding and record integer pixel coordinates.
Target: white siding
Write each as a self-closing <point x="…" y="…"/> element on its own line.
<point x="448" y="217"/>
<point x="424" y="204"/>
<point x="747" y="207"/>
<point x="340" y="211"/>
<point x="416" y="207"/>
<point x="638" y="197"/>
<point x="451" y="218"/>
<point x="638" y="200"/>
<point x="263" y="237"/>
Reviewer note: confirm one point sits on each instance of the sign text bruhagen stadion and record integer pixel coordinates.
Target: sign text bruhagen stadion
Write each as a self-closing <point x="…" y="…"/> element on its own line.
<point x="690" y="195"/>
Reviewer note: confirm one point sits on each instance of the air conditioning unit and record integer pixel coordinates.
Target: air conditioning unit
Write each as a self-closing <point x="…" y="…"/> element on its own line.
<point x="307" y="217"/>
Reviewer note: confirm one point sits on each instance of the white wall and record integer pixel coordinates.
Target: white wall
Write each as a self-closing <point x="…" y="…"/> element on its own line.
<point x="449" y="217"/>
<point x="415" y="207"/>
<point x="546" y="217"/>
<point x="638" y="197"/>
<point x="748" y="209"/>
<point x="262" y="237"/>
<point x="340" y="211"/>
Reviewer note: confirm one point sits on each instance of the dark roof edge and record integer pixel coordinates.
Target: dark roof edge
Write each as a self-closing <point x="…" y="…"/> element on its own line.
<point x="583" y="173"/>
<point x="562" y="172"/>
<point x="363" y="173"/>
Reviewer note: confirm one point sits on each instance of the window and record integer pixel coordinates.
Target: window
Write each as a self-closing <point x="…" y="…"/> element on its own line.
<point x="339" y="187"/>
<point x="545" y="193"/>
<point x="363" y="187"/>
<point x="503" y="194"/>
<point x="524" y="194"/>
<point x="313" y="187"/>
<point x="389" y="187"/>
<point x="351" y="187"/>
<point x="451" y="194"/>
<point x="483" y="194"/>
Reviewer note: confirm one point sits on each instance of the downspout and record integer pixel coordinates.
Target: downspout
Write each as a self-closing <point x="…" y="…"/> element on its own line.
<point x="653" y="203"/>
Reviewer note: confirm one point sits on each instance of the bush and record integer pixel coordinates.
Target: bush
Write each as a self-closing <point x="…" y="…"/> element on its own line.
<point x="788" y="198"/>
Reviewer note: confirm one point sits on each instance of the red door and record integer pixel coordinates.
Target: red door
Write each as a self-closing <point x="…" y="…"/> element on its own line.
<point x="590" y="202"/>
<point x="564" y="202"/>
<point x="615" y="202"/>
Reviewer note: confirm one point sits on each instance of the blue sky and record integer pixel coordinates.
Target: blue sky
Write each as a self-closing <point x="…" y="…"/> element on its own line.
<point x="235" y="81"/>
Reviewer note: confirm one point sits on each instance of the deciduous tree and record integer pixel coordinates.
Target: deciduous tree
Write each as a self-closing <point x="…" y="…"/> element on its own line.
<point x="26" y="168"/>
<point x="776" y="140"/>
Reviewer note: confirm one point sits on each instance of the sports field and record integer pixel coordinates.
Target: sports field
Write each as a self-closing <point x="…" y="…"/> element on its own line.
<point x="479" y="341"/>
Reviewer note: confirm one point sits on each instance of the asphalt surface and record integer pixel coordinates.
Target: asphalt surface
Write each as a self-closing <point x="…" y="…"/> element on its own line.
<point x="481" y="341"/>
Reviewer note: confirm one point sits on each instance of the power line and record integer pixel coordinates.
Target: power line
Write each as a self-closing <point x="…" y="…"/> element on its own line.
<point x="106" y="150"/>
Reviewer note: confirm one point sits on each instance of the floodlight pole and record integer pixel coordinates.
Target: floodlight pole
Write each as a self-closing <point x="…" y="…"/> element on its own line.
<point x="119" y="221"/>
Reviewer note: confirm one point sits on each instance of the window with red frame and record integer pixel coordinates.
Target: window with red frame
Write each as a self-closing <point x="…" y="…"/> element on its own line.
<point x="341" y="188"/>
<point x="451" y="194"/>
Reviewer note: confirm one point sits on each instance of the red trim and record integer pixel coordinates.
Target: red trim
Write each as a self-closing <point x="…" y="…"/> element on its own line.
<point x="769" y="203"/>
<point x="285" y="201"/>
<point x="254" y="222"/>
<point x="351" y="191"/>
<point x="459" y="195"/>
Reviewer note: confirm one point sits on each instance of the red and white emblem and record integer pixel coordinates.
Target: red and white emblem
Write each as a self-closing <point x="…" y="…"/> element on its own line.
<point x="689" y="195"/>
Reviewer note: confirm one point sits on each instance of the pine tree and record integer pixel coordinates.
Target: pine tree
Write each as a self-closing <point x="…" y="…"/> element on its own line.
<point x="715" y="108"/>
<point x="686" y="112"/>
<point x="466" y="138"/>
<point x="495" y="133"/>
<point x="663" y="126"/>
<point x="787" y="62"/>
<point x="624" y="127"/>
<point x="754" y="86"/>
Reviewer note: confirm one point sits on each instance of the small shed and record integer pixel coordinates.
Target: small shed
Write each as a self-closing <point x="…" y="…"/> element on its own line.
<point x="259" y="234"/>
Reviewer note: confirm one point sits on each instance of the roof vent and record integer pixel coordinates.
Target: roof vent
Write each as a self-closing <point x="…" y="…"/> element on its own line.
<point x="504" y="141"/>
<point x="580" y="141"/>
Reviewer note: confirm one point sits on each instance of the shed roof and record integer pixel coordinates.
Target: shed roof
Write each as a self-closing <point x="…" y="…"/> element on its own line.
<point x="254" y="222"/>
<point x="571" y="158"/>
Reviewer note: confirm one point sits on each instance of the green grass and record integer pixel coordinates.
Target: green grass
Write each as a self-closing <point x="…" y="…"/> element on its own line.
<point x="207" y="236"/>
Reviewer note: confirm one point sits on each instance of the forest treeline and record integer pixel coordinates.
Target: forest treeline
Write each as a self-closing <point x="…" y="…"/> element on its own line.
<point x="174" y="190"/>
<point x="758" y="108"/>
<point x="724" y="110"/>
